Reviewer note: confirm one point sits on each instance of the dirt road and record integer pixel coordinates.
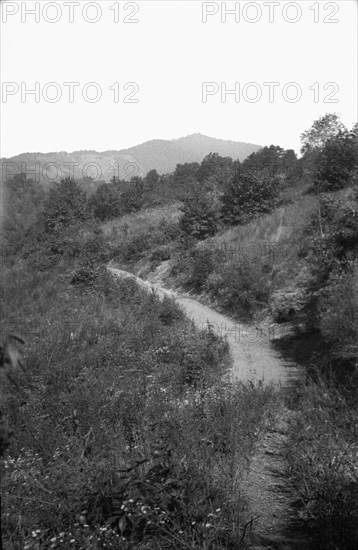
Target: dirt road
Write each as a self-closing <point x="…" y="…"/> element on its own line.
<point x="253" y="358"/>
<point x="252" y="355"/>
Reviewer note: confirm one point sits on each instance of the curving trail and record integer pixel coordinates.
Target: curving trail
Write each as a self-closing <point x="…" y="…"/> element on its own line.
<point x="253" y="358"/>
<point x="252" y="355"/>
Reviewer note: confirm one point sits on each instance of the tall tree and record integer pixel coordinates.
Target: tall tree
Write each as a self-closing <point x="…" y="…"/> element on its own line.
<point x="66" y="205"/>
<point x="324" y="128"/>
<point x="336" y="165"/>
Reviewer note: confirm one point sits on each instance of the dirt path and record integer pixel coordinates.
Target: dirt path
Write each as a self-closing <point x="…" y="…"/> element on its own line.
<point x="252" y="359"/>
<point x="252" y="355"/>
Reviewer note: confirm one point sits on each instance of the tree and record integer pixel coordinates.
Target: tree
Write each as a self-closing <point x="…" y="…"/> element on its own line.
<point x="326" y="127"/>
<point x="313" y="141"/>
<point x="105" y="203"/>
<point x="215" y="169"/>
<point x="152" y="178"/>
<point x="56" y="229"/>
<point x="200" y="215"/>
<point x="271" y="162"/>
<point x="290" y="166"/>
<point x="336" y="164"/>
<point x="132" y="195"/>
<point x="66" y="205"/>
<point x="185" y="177"/>
<point x="22" y="200"/>
<point x="247" y="196"/>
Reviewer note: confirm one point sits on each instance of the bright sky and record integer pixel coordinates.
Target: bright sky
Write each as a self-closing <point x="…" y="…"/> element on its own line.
<point x="168" y="52"/>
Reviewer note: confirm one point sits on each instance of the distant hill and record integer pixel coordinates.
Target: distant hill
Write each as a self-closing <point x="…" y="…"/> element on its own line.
<point x="163" y="155"/>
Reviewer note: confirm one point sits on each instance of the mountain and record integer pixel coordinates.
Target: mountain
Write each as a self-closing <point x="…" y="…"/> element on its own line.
<point x="163" y="155"/>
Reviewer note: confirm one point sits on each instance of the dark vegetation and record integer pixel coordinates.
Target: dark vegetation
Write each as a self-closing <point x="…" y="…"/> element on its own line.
<point x="125" y="434"/>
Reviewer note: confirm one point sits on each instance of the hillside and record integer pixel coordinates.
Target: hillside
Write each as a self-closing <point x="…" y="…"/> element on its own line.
<point x="159" y="154"/>
<point x="183" y="373"/>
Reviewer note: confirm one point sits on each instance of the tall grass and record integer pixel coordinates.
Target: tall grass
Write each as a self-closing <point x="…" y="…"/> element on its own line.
<point x="323" y="466"/>
<point x="125" y="435"/>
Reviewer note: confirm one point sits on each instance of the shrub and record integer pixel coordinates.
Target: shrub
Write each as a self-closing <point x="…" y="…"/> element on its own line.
<point x="241" y="288"/>
<point x="286" y="303"/>
<point x="84" y="276"/>
<point x="338" y="308"/>
<point x="169" y="311"/>
<point x="332" y="238"/>
<point x="323" y="456"/>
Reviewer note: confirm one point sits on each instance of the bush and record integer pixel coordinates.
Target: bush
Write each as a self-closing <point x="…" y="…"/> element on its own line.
<point x="241" y="288"/>
<point x="323" y="454"/>
<point x="85" y="276"/>
<point x="338" y="307"/>
<point x="286" y="303"/>
<point x="169" y="311"/>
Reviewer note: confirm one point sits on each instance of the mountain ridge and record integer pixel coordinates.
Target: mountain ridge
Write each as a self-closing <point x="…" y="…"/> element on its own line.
<point x="159" y="154"/>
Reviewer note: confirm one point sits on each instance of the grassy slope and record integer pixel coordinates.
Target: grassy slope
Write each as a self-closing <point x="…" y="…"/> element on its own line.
<point x="71" y="388"/>
<point x="123" y="428"/>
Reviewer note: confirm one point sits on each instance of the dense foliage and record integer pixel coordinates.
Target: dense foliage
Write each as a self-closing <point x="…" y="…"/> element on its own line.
<point x="337" y="162"/>
<point x="272" y="162"/>
<point x="247" y="196"/>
